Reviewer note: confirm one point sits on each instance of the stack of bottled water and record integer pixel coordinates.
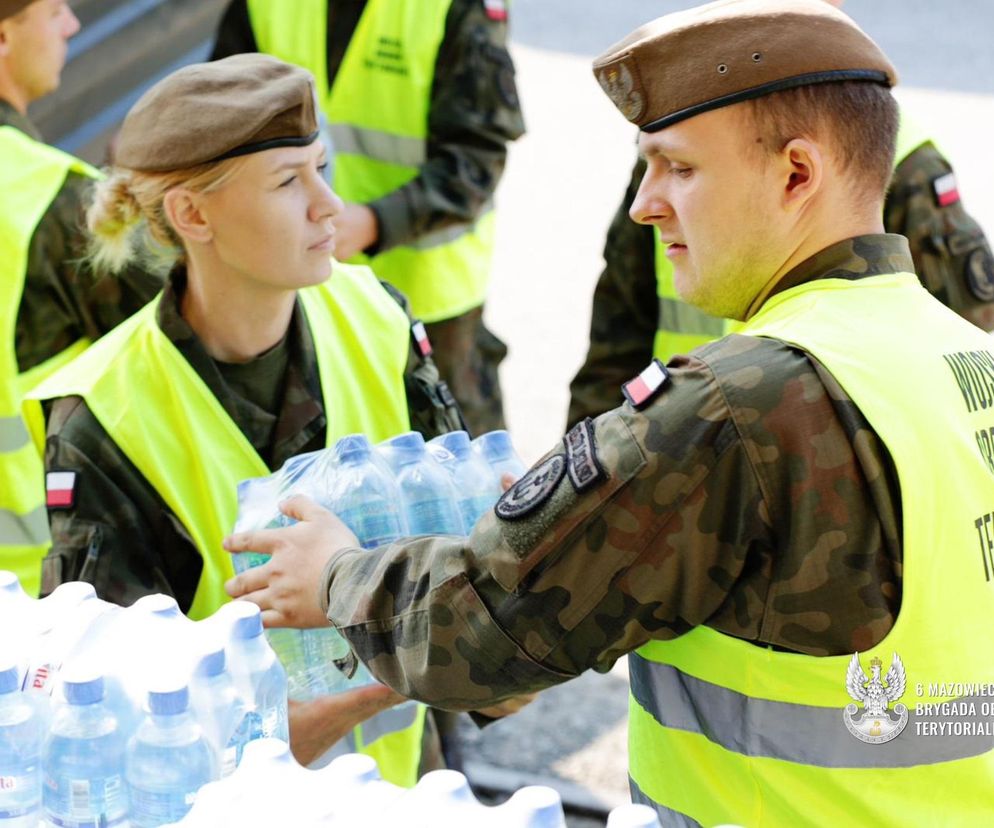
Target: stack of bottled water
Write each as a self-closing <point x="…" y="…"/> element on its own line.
<point x="118" y="716"/>
<point x="400" y="487"/>
<point x="349" y="792"/>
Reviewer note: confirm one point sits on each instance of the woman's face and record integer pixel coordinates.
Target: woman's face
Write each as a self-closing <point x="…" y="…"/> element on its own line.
<point x="272" y="222"/>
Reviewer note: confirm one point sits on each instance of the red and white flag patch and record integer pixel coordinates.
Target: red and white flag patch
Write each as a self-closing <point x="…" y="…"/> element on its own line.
<point x="421" y="341"/>
<point x="643" y="389"/>
<point x="496" y="10"/>
<point x="946" y="189"/>
<point x="60" y="487"/>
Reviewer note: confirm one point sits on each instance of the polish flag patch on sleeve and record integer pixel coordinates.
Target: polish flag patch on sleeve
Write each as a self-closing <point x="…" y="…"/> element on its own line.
<point x="421" y="341"/>
<point x="643" y="389"/>
<point x="60" y="487"/>
<point x="496" y="10"/>
<point x="946" y="189"/>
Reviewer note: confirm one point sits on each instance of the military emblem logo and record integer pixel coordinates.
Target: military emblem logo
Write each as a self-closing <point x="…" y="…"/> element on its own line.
<point x="877" y="724"/>
<point x="618" y="83"/>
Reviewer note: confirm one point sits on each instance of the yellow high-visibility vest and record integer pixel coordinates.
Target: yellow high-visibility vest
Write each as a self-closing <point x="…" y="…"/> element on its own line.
<point x="31" y="175"/>
<point x="724" y="731"/>
<point x="682" y="327"/>
<point x="182" y="440"/>
<point x="377" y="111"/>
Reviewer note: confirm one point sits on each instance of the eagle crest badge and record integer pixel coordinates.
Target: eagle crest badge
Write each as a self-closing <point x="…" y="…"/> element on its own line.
<point x="620" y="85"/>
<point x="876" y="725"/>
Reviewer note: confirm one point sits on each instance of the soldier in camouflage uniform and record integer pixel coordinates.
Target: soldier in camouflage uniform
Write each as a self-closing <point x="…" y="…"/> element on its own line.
<point x="740" y="495"/>
<point x="473" y="114"/>
<point x="119" y="526"/>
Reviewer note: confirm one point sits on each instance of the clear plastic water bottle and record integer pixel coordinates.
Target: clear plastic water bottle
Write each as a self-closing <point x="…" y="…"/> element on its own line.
<point x="633" y="816"/>
<point x="20" y="752"/>
<point x="167" y="760"/>
<point x="426" y="492"/>
<point x="534" y="807"/>
<point x="363" y="495"/>
<point x="477" y="487"/>
<point x="220" y="710"/>
<point x="257" y="673"/>
<point x="83" y="760"/>
<point x="495" y="447"/>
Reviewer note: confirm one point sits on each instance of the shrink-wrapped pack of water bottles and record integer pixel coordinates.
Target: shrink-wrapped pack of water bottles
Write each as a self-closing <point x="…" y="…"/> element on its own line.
<point x="349" y="793"/>
<point x="402" y="486"/>
<point x="118" y="716"/>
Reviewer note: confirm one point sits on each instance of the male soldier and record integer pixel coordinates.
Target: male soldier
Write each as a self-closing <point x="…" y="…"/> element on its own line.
<point x="50" y="306"/>
<point x="636" y="313"/>
<point x="758" y="510"/>
<point x="421" y="102"/>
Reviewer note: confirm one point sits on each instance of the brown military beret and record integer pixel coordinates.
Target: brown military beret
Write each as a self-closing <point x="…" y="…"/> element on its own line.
<point x="8" y="8"/>
<point x="722" y="53"/>
<point x="212" y="111"/>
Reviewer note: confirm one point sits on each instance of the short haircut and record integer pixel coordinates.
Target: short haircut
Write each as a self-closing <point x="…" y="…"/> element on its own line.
<point x="859" y="118"/>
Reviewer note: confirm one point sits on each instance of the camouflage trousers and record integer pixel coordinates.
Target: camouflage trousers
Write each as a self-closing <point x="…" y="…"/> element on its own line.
<point x="467" y="355"/>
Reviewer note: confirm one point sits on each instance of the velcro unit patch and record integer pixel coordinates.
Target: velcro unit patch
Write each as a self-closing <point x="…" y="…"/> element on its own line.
<point x="60" y="489"/>
<point x="582" y="465"/>
<point x="946" y="189"/>
<point x="532" y="490"/>
<point x="421" y="341"/>
<point x="496" y="10"/>
<point x="643" y="389"/>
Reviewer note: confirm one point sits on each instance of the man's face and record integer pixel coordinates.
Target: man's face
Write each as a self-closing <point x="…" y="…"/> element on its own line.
<point x="34" y="46"/>
<point x="718" y="205"/>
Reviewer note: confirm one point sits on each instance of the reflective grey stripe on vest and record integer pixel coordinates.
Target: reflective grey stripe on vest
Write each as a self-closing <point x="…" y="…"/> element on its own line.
<point x="668" y="818"/>
<point x="13" y="434"/>
<point x="677" y="316"/>
<point x="389" y="721"/>
<point x="449" y="234"/>
<point x="379" y="145"/>
<point x="24" y="530"/>
<point x="797" y="733"/>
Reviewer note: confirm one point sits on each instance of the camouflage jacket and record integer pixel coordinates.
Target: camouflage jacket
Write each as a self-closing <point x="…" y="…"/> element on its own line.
<point x="473" y="114"/>
<point x="951" y="257"/>
<point x="64" y="300"/>
<point x="119" y="534"/>
<point x="717" y="506"/>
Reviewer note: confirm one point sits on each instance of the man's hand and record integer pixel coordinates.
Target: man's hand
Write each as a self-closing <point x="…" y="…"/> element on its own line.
<point x="316" y="725"/>
<point x="508" y="707"/>
<point x="286" y="587"/>
<point x="356" y="229"/>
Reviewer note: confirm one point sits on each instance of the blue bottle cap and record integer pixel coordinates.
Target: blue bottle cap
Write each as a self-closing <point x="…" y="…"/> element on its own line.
<point x="211" y="663"/>
<point x="9" y="583"/>
<point x="8" y="680"/>
<point x="84" y="690"/>
<point x="168" y="702"/>
<point x="408" y="448"/>
<point x="496" y="445"/>
<point x="457" y="442"/>
<point x="353" y="447"/>
<point x="248" y="621"/>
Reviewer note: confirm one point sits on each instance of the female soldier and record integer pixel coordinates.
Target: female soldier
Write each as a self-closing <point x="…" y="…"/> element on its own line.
<point x="249" y="356"/>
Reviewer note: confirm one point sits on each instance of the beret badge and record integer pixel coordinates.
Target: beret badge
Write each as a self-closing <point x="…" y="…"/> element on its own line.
<point x="620" y="83"/>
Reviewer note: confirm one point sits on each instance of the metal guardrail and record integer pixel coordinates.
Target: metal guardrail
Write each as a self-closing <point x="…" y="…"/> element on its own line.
<point x="123" y="48"/>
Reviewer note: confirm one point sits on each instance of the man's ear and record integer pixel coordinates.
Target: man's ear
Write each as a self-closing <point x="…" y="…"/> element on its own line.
<point x="184" y="209"/>
<point x="803" y="165"/>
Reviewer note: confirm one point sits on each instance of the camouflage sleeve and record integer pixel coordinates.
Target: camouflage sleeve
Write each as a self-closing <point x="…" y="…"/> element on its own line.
<point x="685" y="519"/>
<point x="624" y="314"/>
<point x="64" y="299"/>
<point x="952" y="256"/>
<point x="431" y="407"/>
<point x="117" y="534"/>
<point x="474" y="113"/>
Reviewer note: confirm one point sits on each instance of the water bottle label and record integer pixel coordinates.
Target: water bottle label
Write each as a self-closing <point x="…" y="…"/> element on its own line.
<point x="375" y="524"/>
<point x="431" y="517"/>
<point x="16" y="784"/>
<point x="73" y="803"/>
<point x="159" y="807"/>
<point x="39" y="678"/>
